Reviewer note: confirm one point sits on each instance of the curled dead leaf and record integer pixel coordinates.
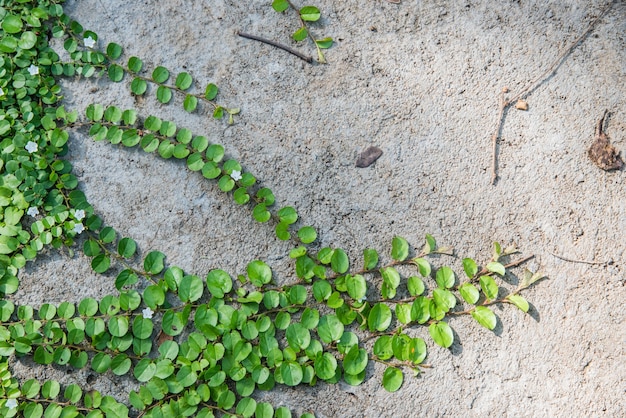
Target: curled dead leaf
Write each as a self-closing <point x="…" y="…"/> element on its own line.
<point x="601" y="152"/>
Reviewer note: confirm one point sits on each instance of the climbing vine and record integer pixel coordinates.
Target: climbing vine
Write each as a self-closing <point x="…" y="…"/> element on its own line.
<point x="198" y="344"/>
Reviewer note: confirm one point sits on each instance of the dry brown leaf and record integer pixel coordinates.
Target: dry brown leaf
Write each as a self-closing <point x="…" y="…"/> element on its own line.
<point x="601" y="152"/>
<point x="368" y="157"/>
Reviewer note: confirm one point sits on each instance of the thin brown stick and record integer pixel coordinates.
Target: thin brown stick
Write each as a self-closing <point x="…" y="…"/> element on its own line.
<point x="277" y="45"/>
<point x="570" y="260"/>
<point x="506" y="103"/>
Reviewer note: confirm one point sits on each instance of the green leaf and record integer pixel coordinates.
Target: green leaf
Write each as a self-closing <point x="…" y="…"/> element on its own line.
<point x="246" y="407"/>
<point x="138" y="86"/>
<point x="497" y="251"/>
<point x="518" y="301"/>
<point x="355" y="360"/>
<point x="307" y="234"/>
<point x="287" y="215"/>
<point x="118" y="326"/>
<point x="114" y="51"/>
<point x="190" y="289"/>
<point x="154" y="296"/>
<point x="470" y="267"/>
<point x="12" y="24"/>
<point x="219" y="283"/>
<point x="298" y="336"/>
<point x="210" y="92"/>
<point x="183" y="81"/>
<point x="430" y="246"/>
<point x="101" y="263"/>
<point x="445" y="277"/>
<point x="126" y="247"/>
<point x="469" y="293"/>
<point x="324" y="43"/>
<point x="370" y="257"/>
<point x="325" y="366"/>
<point x="485" y="317"/>
<point x="115" y="72"/>
<point x="399" y="248"/>
<point x="403" y="312"/>
<point x="357" y="287"/>
<point x="379" y="317"/>
<point x="415" y="286"/>
<point x="322" y="290"/>
<point x="391" y="281"/>
<point x="135" y="64"/>
<point x="441" y="333"/>
<point x="291" y="373"/>
<point x="330" y="329"/>
<point x="154" y="262"/>
<point x="339" y="262"/>
<point x="392" y="379"/>
<point x="164" y="94"/>
<point x="190" y="103"/>
<point x="300" y="34"/>
<point x="423" y="266"/>
<point x="259" y="273"/>
<point x="489" y="287"/>
<point x="160" y="74"/>
<point x="496" y="267"/>
<point x="310" y="13"/>
<point x="280" y="5"/>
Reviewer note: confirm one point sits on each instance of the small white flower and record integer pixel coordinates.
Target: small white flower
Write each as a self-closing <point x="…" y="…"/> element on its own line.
<point x="78" y="228"/>
<point x="89" y="42"/>
<point x="363" y="299"/>
<point x="79" y="215"/>
<point x="11" y="403"/>
<point x="31" y="146"/>
<point x="1" y="92"/>
<point x="32" y="211"/>
<point x="147" y="313"/>
<point x="33" y="69"/>
<point x="235" y="175"/>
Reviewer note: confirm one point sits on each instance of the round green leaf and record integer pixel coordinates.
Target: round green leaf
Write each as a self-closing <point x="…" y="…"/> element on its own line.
<point x="470" y="267"/>
<point x="399" y="248"/>
<point x="154" y="262"/>
<point x="164" y="94"/>
<point x="160" y="74"/>
<point x="310" y="13"/>
<point x="330" y="328"/>
<point x="441" y="333"/>
<point x="392" y="379"/>
<point x="357" y="287"/>
<point x="259" y="273"/>
<point x="489" y="287"/>
<point x="307" y="234"/>
<point x="339" y="261"/>
<point x="415" y="285"/>
<point x="219" y="283"/>
<point x="291" y="373"/>
<point x="379" y="317"/>
<point x="469" y="293"/>
<point x="485" y="317"/>
<point x="190" y="289"/>
<point x="183" y="81"/>
<point x="298" y="336"/>
<point x="355" y="360"/>
<point x="445" y="277"/>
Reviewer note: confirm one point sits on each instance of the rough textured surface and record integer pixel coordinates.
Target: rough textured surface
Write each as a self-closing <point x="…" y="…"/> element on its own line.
<point x="419" y="80"/>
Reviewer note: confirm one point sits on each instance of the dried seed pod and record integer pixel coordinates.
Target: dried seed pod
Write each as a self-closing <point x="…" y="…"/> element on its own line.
<point x="601" y="152"/>
<point x="368" y="157"/>
<point x="521" y="105"/>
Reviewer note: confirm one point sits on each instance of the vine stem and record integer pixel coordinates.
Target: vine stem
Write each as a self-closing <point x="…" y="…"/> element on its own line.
<point x="277" y="45"/>
<point x="530" y="87"/>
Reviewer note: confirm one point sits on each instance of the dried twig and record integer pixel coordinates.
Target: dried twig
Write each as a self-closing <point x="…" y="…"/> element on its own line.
<point x="277" y="45"/>
<point x="506" y="103"/>
<point x="569" y="260"/>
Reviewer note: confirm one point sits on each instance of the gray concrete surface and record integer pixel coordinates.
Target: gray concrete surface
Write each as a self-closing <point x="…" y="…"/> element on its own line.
<point x="420" y="80"/>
